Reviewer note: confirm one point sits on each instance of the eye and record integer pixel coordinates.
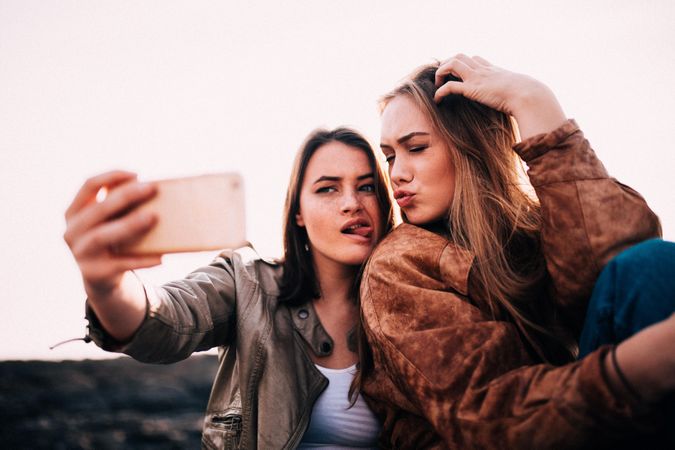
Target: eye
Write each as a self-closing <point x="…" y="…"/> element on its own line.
<point x="389" y="158"/>
<point x="325" y="190"/>
<point x="367" y="188"/>
<point x="419" y="148"/>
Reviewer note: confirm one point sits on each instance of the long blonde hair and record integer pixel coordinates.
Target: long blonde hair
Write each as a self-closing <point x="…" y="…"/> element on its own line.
<point x="491" y="214"/>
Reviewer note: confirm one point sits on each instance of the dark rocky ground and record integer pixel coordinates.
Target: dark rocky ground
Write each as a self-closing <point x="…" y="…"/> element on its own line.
<point x="109" y="404"/>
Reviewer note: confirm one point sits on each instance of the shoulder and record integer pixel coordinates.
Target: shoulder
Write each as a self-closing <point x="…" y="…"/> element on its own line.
<point x="246" y="256"/>
<point x="416" y="280"/>
<point x="405" y="234"/>
<point x="416" y="256"/>
<point x="417" y="247"/>
<point x="247" y="265"/>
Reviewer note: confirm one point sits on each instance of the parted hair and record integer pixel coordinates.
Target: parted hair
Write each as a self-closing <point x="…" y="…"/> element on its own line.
<point x="299" y="283"/>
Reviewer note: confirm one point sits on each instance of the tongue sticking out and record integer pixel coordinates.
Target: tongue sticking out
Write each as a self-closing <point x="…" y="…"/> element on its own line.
<point x="361" y="231"/>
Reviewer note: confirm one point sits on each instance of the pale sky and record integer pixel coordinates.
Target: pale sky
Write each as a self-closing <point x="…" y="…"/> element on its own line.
<point x="173" y="88"/>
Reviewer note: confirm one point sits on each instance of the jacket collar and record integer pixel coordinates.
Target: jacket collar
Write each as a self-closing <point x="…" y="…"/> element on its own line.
<point x="307" y="323"/>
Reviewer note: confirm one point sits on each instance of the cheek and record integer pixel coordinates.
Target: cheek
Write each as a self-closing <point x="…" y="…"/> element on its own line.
<point x="444" y="171"/>
<point x="372" y="206"/>
<point x="440" y="181"/>
<point x="315" y="215"/>
<point x="449" y="183"/>
<point x="441" y="170"/>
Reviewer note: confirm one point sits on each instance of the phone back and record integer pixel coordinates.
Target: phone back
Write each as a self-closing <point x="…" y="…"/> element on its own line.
<point x="195" y="213"/>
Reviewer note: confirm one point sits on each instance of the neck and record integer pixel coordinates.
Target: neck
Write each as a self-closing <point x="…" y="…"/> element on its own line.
<point x="335" y="280"/>
<point x="439" y="227"/>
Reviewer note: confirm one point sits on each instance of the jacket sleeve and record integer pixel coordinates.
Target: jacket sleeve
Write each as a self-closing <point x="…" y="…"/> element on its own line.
<point x="183" y="316"/>
<point x="588" y="217"/>
<point x="471" y="376"/>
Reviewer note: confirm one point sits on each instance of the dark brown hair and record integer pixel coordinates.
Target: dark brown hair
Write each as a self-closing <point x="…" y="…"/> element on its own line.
<point x="299" y="283"/>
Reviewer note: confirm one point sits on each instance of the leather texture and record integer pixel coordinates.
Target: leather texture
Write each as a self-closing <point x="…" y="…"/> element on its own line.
<point x="266" y="382"/>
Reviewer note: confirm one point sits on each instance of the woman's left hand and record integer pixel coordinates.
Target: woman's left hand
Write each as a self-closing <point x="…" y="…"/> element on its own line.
<point x="531" y="102"/>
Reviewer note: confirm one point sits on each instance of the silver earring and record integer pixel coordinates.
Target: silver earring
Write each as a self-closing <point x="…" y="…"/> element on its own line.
<point x="306" y="247"/>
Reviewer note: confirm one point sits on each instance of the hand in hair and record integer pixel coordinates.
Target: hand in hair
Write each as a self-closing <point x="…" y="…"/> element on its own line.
<point x="530" y="102"/>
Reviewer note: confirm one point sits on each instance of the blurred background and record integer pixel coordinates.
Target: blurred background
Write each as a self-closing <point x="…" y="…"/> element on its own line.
<point x="173" y="88"/>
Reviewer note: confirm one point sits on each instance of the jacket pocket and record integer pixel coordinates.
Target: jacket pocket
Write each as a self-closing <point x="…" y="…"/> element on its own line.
<point x="222" y="431"/>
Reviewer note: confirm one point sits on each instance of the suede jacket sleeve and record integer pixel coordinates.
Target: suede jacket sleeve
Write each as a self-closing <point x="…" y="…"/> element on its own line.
<point x="588" y="217"/>
<point x="192" y="314"/>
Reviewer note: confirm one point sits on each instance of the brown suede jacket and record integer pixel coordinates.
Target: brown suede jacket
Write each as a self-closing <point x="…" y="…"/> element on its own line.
<point x="447" y="375"/>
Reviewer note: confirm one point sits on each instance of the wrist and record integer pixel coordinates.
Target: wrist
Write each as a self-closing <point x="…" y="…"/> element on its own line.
<point x="100" y="293"/>
<point x="537" y="111"/>
<point x="528" y="93"/>
<point x="122" y="308"/>
<point x="650" y="371"/>
<point x="108" y="290"/>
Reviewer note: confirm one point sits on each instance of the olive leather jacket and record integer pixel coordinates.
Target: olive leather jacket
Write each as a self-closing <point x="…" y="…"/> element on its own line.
<point x="266" y="383"/>
<point x="447" y="374"/>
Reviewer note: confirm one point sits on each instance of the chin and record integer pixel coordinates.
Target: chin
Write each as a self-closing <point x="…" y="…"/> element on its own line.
<point x="413" y="219"/>
<point x="355" y="258"/>
<point x="420" y="218"/>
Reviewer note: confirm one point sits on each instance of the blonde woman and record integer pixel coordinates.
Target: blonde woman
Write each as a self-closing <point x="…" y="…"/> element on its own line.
<point x="474" y="306"/>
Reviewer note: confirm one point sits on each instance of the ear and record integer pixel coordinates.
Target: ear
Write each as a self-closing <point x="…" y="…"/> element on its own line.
<point x="299" y="220"/>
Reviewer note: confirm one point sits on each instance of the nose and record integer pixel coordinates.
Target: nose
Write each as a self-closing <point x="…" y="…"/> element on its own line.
<point x="351" y="202"/>
<point x="400" y="172"/>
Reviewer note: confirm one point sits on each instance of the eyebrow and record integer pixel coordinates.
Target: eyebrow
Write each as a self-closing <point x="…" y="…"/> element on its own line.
<point x="407" y="137"/>
<point x="328" y="178"/>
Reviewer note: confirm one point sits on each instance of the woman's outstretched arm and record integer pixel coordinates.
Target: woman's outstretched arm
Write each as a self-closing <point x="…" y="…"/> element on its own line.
<point x="150" y="323"/>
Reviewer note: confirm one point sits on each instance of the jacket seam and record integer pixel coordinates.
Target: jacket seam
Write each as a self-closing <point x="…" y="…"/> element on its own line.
<point x="571" y="180"/>
<point x="179" y="330"/>
<point x="438" y="260"/>
<point x="585" y="227"/>
<point x="182" y="330"/>
<point x="250" y="301"/>
<point x="254" y="265"/>
<point x="254" y="381"/>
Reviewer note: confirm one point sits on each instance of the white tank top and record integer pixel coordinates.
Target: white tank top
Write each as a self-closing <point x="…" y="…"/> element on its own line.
<point x="333" y="425"/>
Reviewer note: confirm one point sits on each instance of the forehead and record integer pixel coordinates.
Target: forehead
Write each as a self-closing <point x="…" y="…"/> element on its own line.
<point x="336" y="159"/>
<point x="402" y="116"/>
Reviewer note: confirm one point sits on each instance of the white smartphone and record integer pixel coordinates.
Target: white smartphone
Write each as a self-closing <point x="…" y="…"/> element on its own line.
<point x="196" y="213"/>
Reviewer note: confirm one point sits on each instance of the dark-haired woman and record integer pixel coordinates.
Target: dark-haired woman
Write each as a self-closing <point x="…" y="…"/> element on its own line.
<point x="474" y="306"/>
<point x="283" y="328"/>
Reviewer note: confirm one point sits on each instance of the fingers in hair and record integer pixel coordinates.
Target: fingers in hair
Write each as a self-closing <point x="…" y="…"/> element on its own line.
<point x="452" y="66"/>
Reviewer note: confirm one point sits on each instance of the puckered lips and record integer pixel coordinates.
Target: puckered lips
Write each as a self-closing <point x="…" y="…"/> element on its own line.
<point x="403" y="198"/>
<point x="358" y="229"/>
